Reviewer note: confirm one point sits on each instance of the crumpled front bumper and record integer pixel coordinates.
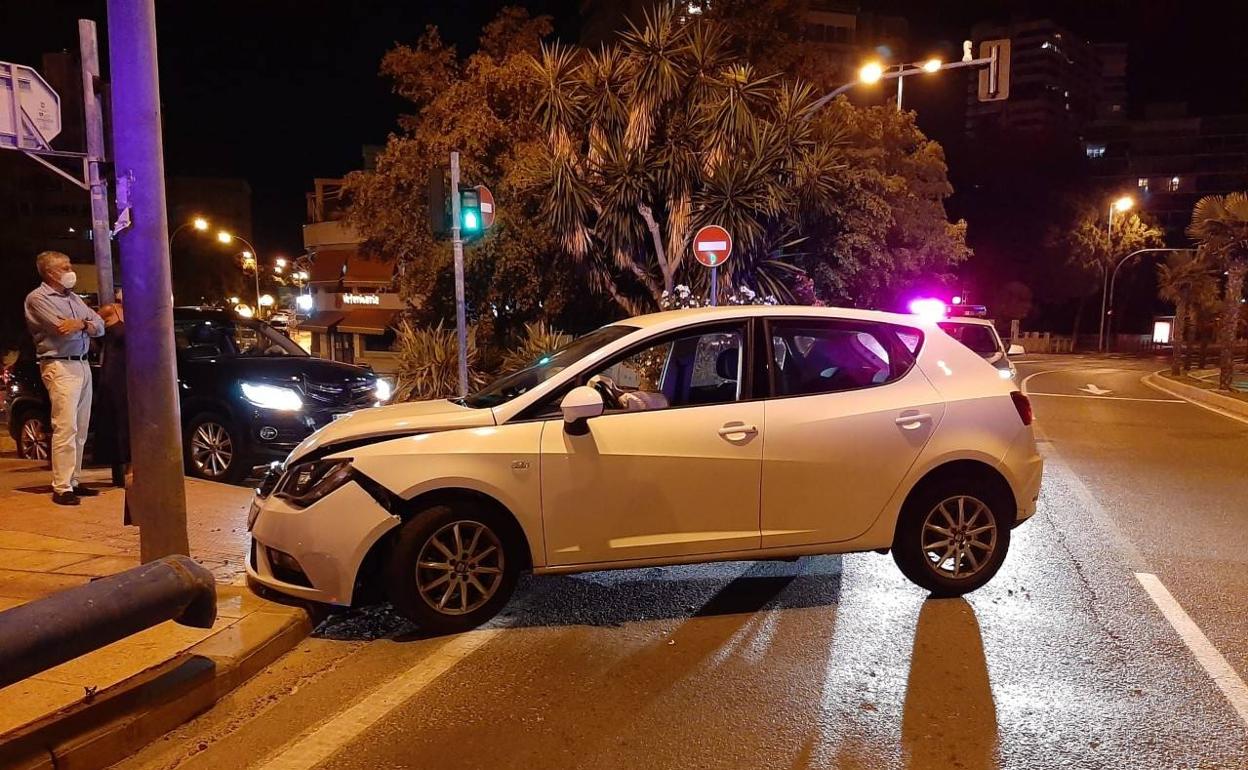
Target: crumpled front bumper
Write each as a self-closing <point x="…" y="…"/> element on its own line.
<point x="327" y="542"/>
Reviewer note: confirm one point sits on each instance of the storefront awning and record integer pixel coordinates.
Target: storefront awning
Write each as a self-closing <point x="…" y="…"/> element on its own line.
<point x="321" y="321"/>
<point x="370" y="321"/>
<point x="328" y="265"/>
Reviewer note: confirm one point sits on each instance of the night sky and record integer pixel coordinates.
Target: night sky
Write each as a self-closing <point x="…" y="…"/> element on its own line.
<point x="281" y="91"/>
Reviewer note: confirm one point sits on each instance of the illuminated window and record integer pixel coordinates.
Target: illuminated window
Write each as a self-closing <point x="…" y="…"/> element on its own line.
<point x="1173" y="184"/>
<point x="1142" y="183"/>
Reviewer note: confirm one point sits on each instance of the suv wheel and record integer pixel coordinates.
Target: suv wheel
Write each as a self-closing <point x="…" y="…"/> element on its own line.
<point x="34" y="436"/>
<point x="452" y="569"/>
<point x="952" y="536"/>
<point x="213" y="450"/>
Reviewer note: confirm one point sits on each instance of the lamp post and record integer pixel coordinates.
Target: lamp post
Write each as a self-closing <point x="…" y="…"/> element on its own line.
<point x="873" y="72"/>
<point x="1121" y="205"/>
<point x="199" y="223"/>
<point x="1114" y="278"/>
<point x="226" y="237"/>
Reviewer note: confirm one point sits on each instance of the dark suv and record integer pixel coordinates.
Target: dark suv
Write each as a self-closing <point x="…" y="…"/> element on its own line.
<point x="248" y="395"/>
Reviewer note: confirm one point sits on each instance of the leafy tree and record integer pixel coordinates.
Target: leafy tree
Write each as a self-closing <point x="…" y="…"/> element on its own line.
<point x="481" y="106"/>
<point x="652" y="138"/>
<point x="1185" y="277"/>
<point x="1094" y="252"/>
<point x="1220" y="225"/>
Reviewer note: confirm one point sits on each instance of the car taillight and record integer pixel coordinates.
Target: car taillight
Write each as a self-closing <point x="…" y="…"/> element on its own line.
<point x="1023" y="405"/>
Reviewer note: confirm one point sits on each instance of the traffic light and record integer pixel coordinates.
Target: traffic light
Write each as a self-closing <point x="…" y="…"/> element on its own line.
<point x="436" y="189"/>
<point x="469" y="212"/>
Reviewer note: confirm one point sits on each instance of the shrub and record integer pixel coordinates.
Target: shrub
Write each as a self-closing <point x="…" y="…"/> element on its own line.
<point x="538" y="340"/>
<point x="429" y="363"/>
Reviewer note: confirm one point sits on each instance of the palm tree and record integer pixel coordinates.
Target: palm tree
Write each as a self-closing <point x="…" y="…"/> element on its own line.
<point x="651" y="138"/>
<point x="1220" y="225"/>
<point x="1183" y="279"/>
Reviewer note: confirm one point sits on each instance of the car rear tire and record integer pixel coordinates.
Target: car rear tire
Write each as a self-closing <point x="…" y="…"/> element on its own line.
<point x="453" y="567"/>
<point x="213" y="449"/>
<point x="34" y="435"/>
<point x="953" y="535"/>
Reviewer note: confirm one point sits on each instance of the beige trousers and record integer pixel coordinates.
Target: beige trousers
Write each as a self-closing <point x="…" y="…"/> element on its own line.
<point x="69" y="387"/>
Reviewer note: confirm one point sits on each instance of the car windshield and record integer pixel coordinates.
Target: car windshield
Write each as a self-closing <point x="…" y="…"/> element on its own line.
<point x="517" y="383"/>
<point x="251" y="339"/>
<point x="977" y="337"/>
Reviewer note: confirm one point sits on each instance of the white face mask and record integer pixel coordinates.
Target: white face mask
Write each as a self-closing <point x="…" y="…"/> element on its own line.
<point x="69" y="279"/>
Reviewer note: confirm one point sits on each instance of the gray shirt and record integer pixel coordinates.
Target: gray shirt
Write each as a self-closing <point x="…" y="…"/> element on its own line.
<point x="45" y="307"/>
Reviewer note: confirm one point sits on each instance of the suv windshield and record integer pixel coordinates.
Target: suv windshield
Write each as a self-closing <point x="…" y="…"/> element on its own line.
<point x="978" y="337"/>
<point x="201" y="337"/>
<point x="510" y="386"/>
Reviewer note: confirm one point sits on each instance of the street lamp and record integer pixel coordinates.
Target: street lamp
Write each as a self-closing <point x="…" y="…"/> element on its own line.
<point x="871" y="72"/>
<point x="227" y="237"/>
<point x="932" y="65"/>
<point x="280" y="262"/>
<point x="199" y="223"/>
<point x="1121" y="205"/>
<point x="266" y="300"/>
<point x="1113" y="278"/>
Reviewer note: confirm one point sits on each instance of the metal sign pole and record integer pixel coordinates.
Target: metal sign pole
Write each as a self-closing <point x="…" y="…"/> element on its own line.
<point x="715" y="286"/>
<point x="457" y="244"/>
<point x="101" y="235"/>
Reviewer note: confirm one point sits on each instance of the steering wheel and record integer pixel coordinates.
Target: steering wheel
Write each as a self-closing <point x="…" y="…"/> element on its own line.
<point x="610" y="391"/>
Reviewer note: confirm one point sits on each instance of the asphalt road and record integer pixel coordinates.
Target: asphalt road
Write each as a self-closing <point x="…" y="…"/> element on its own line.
<point x="1065" y="660"/>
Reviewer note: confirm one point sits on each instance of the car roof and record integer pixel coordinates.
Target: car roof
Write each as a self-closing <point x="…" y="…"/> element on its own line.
<point x="676" y="318"/>
<point x="971" y="320"/>
<point x="192" y="312"/>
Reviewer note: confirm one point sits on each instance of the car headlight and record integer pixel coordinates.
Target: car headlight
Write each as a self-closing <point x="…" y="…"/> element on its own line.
<point x="383" y="390"/>
<point x="308" y="482"/>
<point x="272" y="397"/>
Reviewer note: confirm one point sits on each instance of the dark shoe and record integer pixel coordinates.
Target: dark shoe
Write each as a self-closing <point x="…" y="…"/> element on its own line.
<point x="65" y="498"/>
<point x="86" y="491"/>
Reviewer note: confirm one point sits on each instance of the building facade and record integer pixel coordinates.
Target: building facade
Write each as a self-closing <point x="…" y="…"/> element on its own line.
<point x="1168" y="160"/>
<point x="353" y="301"/>
<point x="1059" y="81"/>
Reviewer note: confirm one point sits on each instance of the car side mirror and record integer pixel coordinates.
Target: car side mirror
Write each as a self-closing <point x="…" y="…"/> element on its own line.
<point x="578" y="406"/>
<point x="1016" y="350"/>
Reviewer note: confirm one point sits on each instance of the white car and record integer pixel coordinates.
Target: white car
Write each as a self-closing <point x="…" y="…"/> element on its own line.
<point x="980" y="335"/>
<point x="731" y="433"/>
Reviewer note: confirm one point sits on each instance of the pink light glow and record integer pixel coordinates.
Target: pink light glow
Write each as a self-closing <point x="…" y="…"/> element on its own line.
<point x="928" y="309"/>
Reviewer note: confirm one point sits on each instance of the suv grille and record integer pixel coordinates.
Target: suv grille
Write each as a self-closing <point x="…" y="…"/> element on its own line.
<point x="354" y="392"/>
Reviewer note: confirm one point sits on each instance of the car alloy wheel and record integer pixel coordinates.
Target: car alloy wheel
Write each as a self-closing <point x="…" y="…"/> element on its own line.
<point x="34" y="439"/>
<point x="212" y="449"/>
<point x="959" y="537"/>
<point x="460" y="567"/>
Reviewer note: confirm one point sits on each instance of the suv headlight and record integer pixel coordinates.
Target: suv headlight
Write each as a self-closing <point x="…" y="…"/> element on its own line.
<point x="382" y="391"/>
<point x="308" y="482"/>
<point x="272" y="397"/>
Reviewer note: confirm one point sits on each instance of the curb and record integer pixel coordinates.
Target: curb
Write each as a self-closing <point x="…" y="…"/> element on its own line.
<point x="127" y="717"/>
<point x="1224" y="405"/>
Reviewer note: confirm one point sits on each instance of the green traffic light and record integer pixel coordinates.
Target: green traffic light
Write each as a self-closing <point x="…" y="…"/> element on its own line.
<point x="471" y="221"/>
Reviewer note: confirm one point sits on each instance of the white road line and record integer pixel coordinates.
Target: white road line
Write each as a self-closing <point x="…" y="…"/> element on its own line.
<point x="1151" y="381"/>
<point x="323" y="741"/>
<point x="1111" y="398"/>
<point x="1206" y="654"/>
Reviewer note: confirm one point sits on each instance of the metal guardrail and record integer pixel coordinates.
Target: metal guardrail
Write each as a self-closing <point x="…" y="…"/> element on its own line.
<point x="47" y="632"/>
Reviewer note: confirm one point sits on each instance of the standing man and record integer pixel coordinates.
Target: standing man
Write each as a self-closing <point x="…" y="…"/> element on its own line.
<point x="61" y="324"/>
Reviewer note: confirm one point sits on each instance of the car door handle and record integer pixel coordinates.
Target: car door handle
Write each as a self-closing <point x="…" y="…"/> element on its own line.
<point x="739" y="429"/>
<point x="913" y="421"/>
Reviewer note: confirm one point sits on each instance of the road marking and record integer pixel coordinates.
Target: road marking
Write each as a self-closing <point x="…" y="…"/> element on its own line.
<point x="1152" y="381"/>
<point x="1206" y="654"/>
<point x="1094" y="390"/>
<point x="326" y="739"/>
<point x="1111" y="398"/>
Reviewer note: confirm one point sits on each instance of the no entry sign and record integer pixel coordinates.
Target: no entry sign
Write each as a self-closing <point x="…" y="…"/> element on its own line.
<point x="712" y="245"/>
<point x="487" y="205"/>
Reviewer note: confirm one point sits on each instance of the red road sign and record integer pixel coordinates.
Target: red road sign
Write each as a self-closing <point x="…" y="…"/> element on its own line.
<point x="487" y="205"/>
<point x="712" y="245"/>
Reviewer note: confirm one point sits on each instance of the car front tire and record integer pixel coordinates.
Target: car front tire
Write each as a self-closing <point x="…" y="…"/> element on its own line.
<point x="213" y="450"/>
<point x="453" y="567"/>
<point x="953" y="535"/>
<point x="34" y="436"/>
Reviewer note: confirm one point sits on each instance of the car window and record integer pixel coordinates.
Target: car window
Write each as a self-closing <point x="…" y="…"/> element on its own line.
<point x="700" y="368"/>
<point x="977" y="337"/>
<point x="207" y="338"/>
<point x="810" y="357"/>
